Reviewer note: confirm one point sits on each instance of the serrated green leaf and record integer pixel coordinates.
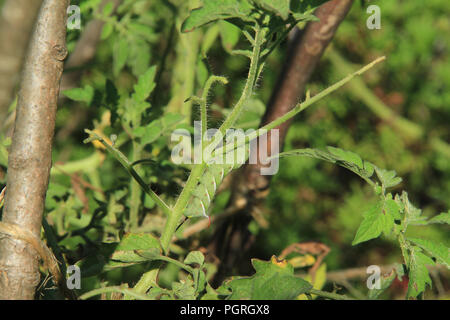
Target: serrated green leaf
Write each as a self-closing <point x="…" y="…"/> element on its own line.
<point x="273" y="280"/>
<point x="145" y="85"/>
<point x="305" y="17"/>
<point x="419" y="276"/>
<point x="195" y="257"/>
<point x="148" y="280"/>
<point x="347" y="156"/>
<point x="388" y="178"/>
<point x="392" y="208"/>
<point x="346" y="159"/>
<point x="157" y="128"/>
<point x="374" y="223"/>
<point x="142" y="30"/>
<point x="304" y="6"/>
<point x="139" y="57"/>
<point x="171" y="119"/>
<point x="138" y="241"/>
<point x="137" y="247"/>
<point x="443" y="217"/>
<point x="213" y="10"/>
<point x="184" y="289"/>
<point x="413" y="214"/>
<point x="210" y="294"/>
<point x="152" y="132"/>
<point x="4" y="153"/>
<point x="436" y="250"/>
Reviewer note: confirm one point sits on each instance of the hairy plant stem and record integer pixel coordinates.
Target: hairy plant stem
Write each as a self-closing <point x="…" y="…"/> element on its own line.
<point x="119" y="289"/>
<point x="329" y="295"/>
<point x="251" y="80"/>
<point x="199" y="169"/>
<point x="302" y="106"/>
<point x="129" y="167"/>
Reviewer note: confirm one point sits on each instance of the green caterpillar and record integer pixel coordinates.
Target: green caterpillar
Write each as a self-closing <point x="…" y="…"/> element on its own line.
<point x="205" y="190"/>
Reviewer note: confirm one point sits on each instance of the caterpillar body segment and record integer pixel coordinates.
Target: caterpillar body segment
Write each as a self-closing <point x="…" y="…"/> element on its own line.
<point x="206" y="189"/>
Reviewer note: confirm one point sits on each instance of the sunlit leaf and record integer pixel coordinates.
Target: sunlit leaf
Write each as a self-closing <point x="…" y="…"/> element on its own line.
<point x="273" y="280"/>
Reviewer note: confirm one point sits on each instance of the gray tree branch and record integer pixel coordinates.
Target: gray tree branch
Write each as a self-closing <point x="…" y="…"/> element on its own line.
<point x="29" y="160"/>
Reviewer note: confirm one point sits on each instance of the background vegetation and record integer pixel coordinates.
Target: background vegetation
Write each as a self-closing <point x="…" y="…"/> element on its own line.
<point x="91" y="200"/>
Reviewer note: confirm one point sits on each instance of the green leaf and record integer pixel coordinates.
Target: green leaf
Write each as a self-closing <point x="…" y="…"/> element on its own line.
<point x="199" y="280"/>
<point x="85" y="94"/>
<point x="213" y="10"/>
<point x="195" y="257"/>
<point x="142" y="30"/>
<point x="137" y="247"/>
<point x="374" y="223"/>
<point x="120" y="55"/>
<point x="346" y="159"/>
<point x="184" y="289"/>
<point x="4" y="153"/>
<point x="210" y="294"/>
<point x="108" y="9"/>
<point x="443" y="217"/>
<point x="346" y="156"/>
<point x="229" y="34"/>
<point x="419" y="276"/>
<point x="138" y="241"/>
<point x="145" y="85"/>
<point x="305" y="7"/>
<point x="436" y="250"/>
<point x="202" y="72"/>
<point x="157" y="128"/>
<point x="387" y="178"/>
<point x="392" y="208"/>
<point x="279" y="7"/>
<point x="273" y="280"/>
<point x="171" y="119"/>
<point x="152" y="132"/>
<point x="413" y="214"/>
<point x="139" y="57"/>
<point x="107" y="30"/>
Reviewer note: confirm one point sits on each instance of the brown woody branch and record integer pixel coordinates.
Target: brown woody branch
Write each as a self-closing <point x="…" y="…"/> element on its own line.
<point x="29" y="160"/>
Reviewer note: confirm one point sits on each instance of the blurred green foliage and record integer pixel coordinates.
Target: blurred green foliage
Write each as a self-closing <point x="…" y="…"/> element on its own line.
<point x="92" y="201"/>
